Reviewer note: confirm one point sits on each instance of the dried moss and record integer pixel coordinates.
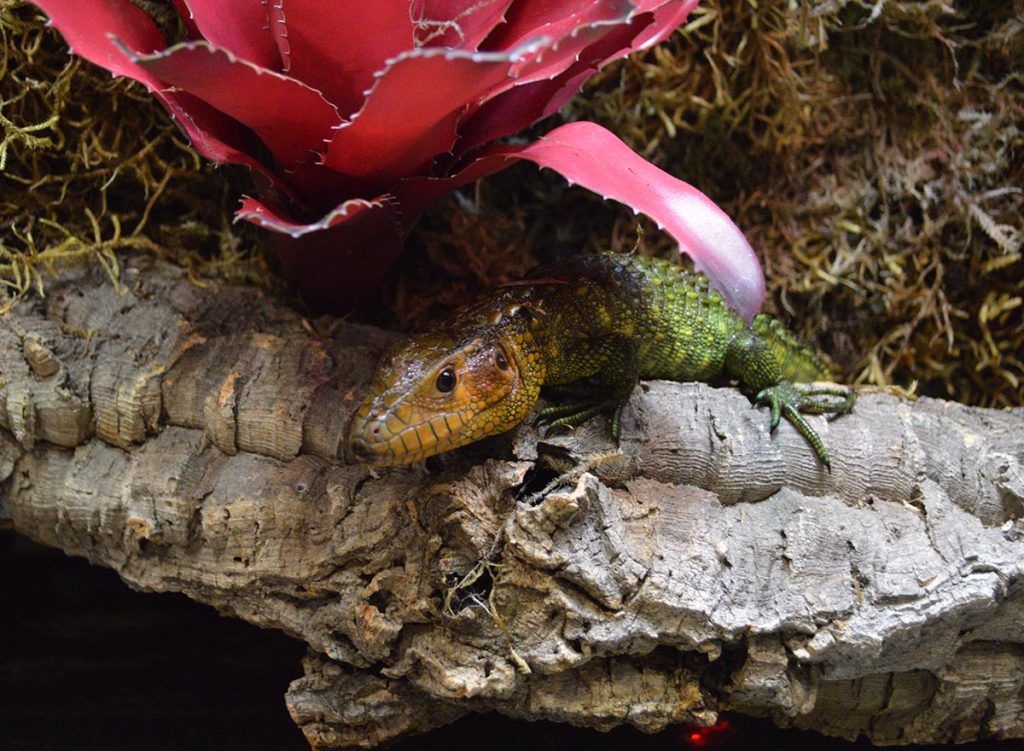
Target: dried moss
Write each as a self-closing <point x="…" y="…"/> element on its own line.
<point x="871" y="150"/>
<point x="873" y="153"/>
<point x="91" y="167"/>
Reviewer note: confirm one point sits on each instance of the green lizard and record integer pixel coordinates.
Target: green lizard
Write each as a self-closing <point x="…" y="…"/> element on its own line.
<point x="608" y="318"/>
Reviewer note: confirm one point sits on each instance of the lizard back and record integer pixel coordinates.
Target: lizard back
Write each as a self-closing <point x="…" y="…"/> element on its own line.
<point x="681" y="327"/>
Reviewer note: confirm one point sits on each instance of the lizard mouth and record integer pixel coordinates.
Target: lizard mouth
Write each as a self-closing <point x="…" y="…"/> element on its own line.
<point x="378" y="440"/>
<point x="365" y="451"/>
<point x="370" y="440"/>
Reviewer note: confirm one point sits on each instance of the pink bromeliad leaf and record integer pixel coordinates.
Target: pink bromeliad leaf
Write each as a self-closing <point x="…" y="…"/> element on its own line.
<point x="588" y="154"/>
<point x="593" y="157"/>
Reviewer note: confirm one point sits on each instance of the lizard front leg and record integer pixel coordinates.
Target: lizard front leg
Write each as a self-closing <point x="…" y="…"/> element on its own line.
<point x="755" y="363"/>
<point x="616" y="371"/>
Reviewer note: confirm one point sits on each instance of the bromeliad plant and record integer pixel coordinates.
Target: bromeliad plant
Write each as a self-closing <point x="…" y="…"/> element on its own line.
<point x="354" y="115"/>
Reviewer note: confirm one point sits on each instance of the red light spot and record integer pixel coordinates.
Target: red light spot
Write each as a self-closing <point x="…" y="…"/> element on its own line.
<point x="700" y="737"/>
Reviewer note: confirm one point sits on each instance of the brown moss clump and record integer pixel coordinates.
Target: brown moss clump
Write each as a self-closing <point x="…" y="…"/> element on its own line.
<point x="870" y="149"/>
<point x="91" y="167"/>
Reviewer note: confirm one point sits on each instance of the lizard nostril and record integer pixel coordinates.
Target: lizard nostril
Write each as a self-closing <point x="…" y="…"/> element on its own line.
<point x="376" y="430"/>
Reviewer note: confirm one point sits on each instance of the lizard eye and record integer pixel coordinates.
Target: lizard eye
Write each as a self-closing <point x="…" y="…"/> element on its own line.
<point x="500" y="361"/>
<point x="445" y="380"/>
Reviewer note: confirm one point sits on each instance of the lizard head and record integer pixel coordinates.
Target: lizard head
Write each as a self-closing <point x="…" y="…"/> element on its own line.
<point x="435" y="392"/>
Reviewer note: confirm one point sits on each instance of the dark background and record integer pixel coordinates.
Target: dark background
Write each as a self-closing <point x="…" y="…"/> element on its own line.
<point x="86" y="663"/>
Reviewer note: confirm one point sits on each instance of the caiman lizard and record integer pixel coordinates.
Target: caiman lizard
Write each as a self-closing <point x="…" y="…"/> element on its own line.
<point x="603" y="320"/>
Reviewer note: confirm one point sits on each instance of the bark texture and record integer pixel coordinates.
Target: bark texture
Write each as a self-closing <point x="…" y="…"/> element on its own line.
<point x="191" y="438"/>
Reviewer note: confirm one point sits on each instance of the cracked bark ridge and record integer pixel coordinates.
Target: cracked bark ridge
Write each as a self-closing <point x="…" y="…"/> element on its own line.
<point x="191" y="438"/>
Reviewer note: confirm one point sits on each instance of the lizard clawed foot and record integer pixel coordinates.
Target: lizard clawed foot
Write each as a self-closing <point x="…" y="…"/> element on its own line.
<point x="791" y="399"/>
<point x="576" y="413"/>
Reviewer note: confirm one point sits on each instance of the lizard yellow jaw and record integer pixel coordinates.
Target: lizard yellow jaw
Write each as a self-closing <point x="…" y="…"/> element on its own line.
<point x="384" y="439"/>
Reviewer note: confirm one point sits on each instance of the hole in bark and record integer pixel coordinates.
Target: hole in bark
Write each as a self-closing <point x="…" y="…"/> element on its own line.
<point x="473" y="589"/>
<point x="720" y="674"/>
<point x="143" y="545"/>
<point x="381" y="599"/>
<point x="536" y="480"/>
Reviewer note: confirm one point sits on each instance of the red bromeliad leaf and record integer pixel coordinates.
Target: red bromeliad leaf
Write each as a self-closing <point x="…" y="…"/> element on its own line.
<point x="566" y="51"/>
<point x="529" y="19"/>
<point x="279" y="33"/>
<point x="411" y="115"/>
<point x="317" y="191"/>
<point x="582" y="152"/>
<point x="101" y="32"/>
<point x="227" y="83"/>
<point x="524" y="103"/>
<point x="532" y="97"/>
<point x="668" y="17"/>
<point x="332" y="268"/>
<point x="462" y="24"/>
<point x="106" y="18"/>
<point x="388" y="93"/>
<point x="341" y="45"/>
<point x="241" y="26"/>
<point x="269" y="215"/>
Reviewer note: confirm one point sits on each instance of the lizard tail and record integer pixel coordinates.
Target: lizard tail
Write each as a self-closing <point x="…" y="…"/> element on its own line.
<point x="797" y="361"/>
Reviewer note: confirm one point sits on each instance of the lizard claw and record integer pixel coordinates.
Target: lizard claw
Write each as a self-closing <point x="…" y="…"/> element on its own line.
<point x="574" y="414"/>
<point x="792" y="399"/>
<point x="772" y="398"/>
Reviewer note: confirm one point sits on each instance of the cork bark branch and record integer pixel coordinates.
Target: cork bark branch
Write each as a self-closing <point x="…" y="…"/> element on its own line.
<point x="191" y="438"/>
